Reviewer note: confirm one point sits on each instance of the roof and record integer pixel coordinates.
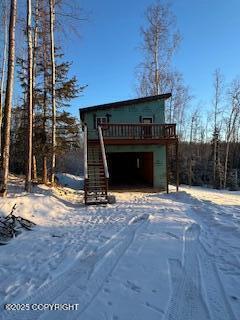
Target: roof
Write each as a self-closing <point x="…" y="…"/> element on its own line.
<point x="125" y="103"/>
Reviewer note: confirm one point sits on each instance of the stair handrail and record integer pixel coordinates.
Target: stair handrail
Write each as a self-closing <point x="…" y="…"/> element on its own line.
<point x="85" y="149"/>
<point x="103" y="152"/>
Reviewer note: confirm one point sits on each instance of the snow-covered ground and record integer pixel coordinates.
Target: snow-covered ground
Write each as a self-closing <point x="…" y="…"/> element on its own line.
<point x="149" y="256"/>
<point x="70" y="181"/>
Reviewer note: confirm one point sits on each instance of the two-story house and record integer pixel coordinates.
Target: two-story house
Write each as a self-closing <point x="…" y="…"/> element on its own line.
<point x="125" y="145"/>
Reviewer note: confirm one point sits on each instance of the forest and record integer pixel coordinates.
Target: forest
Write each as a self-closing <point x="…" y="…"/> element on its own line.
<point x="40" y="136"/>
<point x="36" y="127"/>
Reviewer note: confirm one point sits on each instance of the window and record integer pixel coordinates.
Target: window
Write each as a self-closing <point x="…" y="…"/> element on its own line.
<point x="147" y="130"/>
<point x="100" y="120"/>
<point x="147" y="120"/>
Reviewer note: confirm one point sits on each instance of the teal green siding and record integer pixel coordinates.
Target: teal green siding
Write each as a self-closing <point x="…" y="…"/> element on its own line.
<point x="132" y="114"/>
<point x="159" y="160"/>
<point x="127" y="114"/>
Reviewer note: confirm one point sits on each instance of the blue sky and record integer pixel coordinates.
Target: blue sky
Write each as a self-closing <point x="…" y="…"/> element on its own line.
<point x="106" y="55"/>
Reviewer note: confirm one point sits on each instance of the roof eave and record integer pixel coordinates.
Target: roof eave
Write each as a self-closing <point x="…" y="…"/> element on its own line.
<point x="164" y="96"/>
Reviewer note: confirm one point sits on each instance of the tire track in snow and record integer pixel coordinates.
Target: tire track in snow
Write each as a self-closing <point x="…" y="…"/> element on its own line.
<point x="72" y="285"/>
<point x="221" y="237"/>
<point x="187" y="302"/>
<point x="219" y="305"/>
<point x="105" y="264"/>
<point x="216" y="252"/>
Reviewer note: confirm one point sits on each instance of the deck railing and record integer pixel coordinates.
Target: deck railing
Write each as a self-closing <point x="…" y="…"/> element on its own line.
<point x="106" y="173"/>
<point x="138" y="131"/>
<point x="85" y="146"/>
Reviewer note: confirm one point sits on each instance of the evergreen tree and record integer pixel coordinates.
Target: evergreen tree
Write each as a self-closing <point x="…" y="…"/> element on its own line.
<point x="67" y="127"/>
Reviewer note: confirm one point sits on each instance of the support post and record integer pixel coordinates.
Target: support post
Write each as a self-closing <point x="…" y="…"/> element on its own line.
<point x="167" y="178"/>
<point x="177" y="168"/>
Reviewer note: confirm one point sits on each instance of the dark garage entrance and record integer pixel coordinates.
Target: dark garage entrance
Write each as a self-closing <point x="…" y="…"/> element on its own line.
<point x="130" y="169"/>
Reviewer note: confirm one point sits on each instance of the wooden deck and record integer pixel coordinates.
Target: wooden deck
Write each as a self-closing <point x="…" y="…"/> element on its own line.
<point x="149" y="134"/>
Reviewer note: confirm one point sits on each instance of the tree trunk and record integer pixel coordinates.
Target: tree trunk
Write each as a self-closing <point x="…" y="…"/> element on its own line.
<point x="34" y="171"/>
<point x="8" y="100"/>
<point x="35" y="44"/>
<point x="34" y="70"/>
<point x="230" y="129"/>
<point x="45" y="102"/>
<point x="214" y="161"/>
<point x="45" y="178"/>
<point x="29" y="99"/>
<point x="156" y="64"/>
<point x="190" y="151"/>
<point x="52" y="18"/>
<point x="2" y="74"/>
<point x="226" y="165"/>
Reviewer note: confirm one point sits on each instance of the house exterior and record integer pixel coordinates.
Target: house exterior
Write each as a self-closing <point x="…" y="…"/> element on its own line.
<point x="132" y="139"/>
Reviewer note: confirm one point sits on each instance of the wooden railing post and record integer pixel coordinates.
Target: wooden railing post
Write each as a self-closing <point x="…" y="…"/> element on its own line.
<point x="103" y="153"/>
<point x="85" y="147"/>
<point x="177" y="167"/>
<point x="167" y="173"/>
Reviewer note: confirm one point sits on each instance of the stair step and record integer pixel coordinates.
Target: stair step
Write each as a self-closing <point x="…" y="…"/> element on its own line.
<point x="96" y="176"/>
<point x="98" y="193"/>
<point x="96" y="173"/>
<point x="92" y="173"/>
<point x="94" y="156"/>
<point x="102" y="201"/>
<point x="96" y="182"/>
<point x="96" y="196"/>
<point x="100" y="197"/>
<point x="96" y="186"/>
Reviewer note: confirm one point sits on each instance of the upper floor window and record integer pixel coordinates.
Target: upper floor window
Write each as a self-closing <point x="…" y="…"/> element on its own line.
<point x="100" y="120"/>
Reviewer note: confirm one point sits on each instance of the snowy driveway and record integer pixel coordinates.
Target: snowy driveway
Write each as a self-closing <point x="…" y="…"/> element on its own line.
<point x="152" y="256"/>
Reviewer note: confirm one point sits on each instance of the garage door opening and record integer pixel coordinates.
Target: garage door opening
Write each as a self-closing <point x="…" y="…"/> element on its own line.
<point x="130" y="169"/>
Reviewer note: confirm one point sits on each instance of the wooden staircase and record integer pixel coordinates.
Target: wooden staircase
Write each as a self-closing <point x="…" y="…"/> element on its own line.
<point x="96" y="171"/>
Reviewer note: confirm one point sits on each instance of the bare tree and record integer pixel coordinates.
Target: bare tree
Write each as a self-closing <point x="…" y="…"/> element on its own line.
<point x="34" y="76"/>
<point x="8" y="101"/>
<point x="193" y="136"/>
<point x="176" y="105"/>
<point x="160" y="40"/>
<point x="218" y="93"/>
<point x="231" y="121"/>
<point x="52" y="21"/>
<point x="29" y="98"/>
<point x="35" y="40"/>
<point x="4" y="57"/>
<point x="45" y="62"/>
